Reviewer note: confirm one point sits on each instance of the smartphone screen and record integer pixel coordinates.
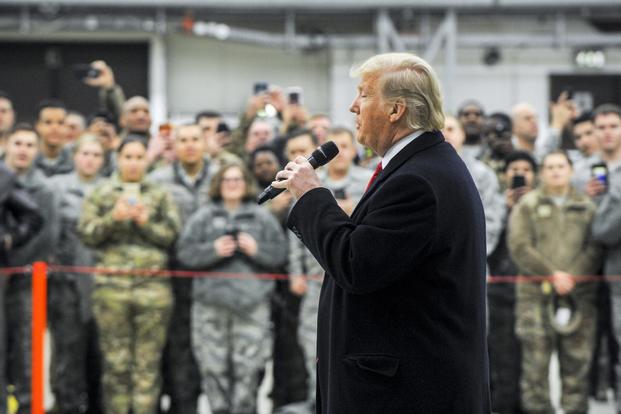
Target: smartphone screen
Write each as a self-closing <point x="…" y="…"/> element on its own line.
<point x="518" y="181"/>
<point x="260" y="87"/>
<point x="339" y="194"/>
<point x="600" y="171"/>
<point x="131" y="192"/>
<point x="295" y="95"/>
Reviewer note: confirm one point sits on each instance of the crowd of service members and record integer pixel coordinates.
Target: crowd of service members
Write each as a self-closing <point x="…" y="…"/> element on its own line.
<point x="105" y="190"/>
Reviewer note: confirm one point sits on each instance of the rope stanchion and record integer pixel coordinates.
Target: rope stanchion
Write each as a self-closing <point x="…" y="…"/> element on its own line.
<point x="39" y="320"/>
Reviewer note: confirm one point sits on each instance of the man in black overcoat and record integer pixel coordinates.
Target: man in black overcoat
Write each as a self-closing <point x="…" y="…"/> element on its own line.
<point x="402" y="309"/>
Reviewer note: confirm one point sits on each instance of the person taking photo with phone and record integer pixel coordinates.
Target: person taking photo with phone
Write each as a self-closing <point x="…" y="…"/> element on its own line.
<point x="231" y="332"/>
<point x="131" y="223"/>
<point x="606" y="192"/>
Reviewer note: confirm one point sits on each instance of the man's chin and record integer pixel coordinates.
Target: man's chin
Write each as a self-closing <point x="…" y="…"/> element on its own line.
<point x="360" y="139"/>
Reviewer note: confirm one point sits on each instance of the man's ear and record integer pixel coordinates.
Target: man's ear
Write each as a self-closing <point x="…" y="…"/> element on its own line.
<point x="397" y="111"/>
<point x="122" y="122"/>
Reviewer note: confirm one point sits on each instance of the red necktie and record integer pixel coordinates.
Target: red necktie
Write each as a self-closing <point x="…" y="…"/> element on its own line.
<point x="377" y="172"/>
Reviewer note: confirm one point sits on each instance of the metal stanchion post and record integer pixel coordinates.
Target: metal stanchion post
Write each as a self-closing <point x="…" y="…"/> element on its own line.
<point x="39" y="318"/>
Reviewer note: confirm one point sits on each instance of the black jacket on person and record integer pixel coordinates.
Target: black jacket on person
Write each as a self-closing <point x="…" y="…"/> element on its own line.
<point x="402" y="309"/>
<point x="19" y="215"/>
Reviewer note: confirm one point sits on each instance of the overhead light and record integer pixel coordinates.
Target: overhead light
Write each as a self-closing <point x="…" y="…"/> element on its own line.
<point x="218" y="30"/>
<point x="590" y="58"/>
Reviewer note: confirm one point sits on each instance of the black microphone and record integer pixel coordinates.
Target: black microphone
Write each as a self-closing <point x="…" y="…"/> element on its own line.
<point x="321" y="156"/>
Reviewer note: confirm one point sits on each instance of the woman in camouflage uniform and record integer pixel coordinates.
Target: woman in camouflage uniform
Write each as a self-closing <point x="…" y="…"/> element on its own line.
<point x="131" y="223"/>
<point x="230" y="315"/>
<point x="549" y="235"/>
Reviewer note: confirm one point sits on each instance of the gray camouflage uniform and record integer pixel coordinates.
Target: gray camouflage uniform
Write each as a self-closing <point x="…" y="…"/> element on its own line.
<point x="61" y="165"/>
<point x="181" y="376"/>
<point x="230" y="315"/>
<point x="486" y="182"/>
<point x="69" y="301"/>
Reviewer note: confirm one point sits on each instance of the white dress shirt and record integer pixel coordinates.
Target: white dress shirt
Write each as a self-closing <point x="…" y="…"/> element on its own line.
<point x="398" y="146"/>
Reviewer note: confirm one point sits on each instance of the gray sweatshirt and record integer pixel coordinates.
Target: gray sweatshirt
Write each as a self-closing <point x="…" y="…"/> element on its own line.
<point x="606" y="226"/>
<point x="195" y="249"/>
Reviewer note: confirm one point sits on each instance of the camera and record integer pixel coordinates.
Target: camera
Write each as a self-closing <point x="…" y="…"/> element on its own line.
<point x="85" y="71"/>
<point x="260" y="87"/>
<point x="295" y="95"/>
<point x="231" y="231"/>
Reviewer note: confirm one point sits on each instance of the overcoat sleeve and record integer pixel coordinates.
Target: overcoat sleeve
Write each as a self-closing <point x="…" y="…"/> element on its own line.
<point x="374" y="251"/>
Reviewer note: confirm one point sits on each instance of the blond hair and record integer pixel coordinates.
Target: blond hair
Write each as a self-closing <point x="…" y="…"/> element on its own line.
<point x="87" y="138"/>
<point x="407" y="79"/>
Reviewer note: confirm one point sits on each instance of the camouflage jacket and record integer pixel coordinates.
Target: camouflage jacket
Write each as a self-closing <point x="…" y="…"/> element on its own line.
<point x="71" y="251"/>
<point x="125" y="244"/>
<point x="188" y="196"/>
<point x="544" y="237"/>
<point x="493" y="201"/>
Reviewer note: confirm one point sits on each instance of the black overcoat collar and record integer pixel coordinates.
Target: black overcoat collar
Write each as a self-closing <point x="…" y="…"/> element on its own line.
<point x="426" y="140"/>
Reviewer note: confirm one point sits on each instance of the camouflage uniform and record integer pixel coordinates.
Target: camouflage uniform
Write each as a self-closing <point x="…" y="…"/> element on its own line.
<point x="180" y="373"/>
<point x="498" y="166"/>
<point x="486" y="180"/>
<point x="543" y="237"/>
<point x="69" y="306"/>
<point x="489" y="190"/>
<point x="606" y="346"/>
<point x="230" y="316"/>
<point x="19" y="290"/>
<point x="132" y="312"/>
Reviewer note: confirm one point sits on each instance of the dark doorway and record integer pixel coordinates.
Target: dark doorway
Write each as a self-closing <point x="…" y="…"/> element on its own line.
<point x="588" y="91"/>
<point x="32" y="71"/>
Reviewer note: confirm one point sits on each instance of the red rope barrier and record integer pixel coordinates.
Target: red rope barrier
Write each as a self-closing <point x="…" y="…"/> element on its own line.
<point x="170" y="273"/>
<point x="90" y="270"/>
<point x="7" y="271"/>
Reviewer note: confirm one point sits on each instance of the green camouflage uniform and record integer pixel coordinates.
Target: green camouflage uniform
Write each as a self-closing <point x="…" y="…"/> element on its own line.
<point x="545" y="237"/>
<point x="132" y="312"/>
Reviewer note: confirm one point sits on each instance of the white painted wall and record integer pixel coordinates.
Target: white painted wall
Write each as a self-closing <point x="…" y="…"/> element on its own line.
<point x="209" y="74"/>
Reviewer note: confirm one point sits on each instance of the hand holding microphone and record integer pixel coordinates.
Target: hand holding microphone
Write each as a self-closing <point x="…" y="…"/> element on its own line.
<point x="299" y="176"/>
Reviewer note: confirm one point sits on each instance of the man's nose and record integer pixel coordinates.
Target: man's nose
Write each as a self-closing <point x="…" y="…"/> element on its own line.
<point x="354" y="106"/>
